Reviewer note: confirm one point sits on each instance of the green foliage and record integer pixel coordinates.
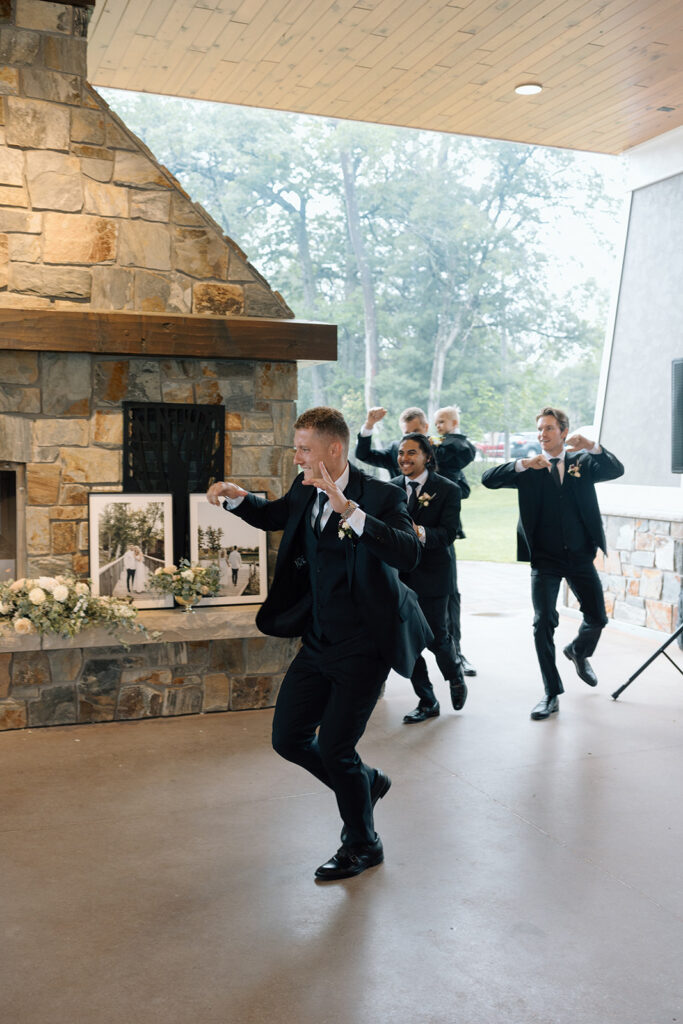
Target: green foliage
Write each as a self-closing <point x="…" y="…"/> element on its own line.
<point x="456" y="293"/>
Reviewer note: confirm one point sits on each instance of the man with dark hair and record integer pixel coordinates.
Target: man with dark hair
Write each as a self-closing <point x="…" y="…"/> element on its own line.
<point x="346" y="537"/>
<point x="434" y="507"/>
<point x="559" y="532"/>
<point x="454" y="453"/>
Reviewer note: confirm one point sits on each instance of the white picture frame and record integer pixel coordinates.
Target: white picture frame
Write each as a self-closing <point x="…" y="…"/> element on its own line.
<point x="131" y="535"/>
<point x="245" y="581"/>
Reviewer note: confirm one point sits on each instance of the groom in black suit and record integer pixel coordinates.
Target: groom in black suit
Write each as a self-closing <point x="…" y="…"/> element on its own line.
<point x="346" y="537"/>
<point x="559" y="532"/>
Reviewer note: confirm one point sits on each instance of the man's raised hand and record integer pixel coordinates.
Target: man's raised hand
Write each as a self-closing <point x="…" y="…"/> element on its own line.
<point x="536" y="462"/>
<point x="224" y="489"/>
<point x="325" y="483"/>
<point x="373" y="416"/>
<point x="579" y="443"/>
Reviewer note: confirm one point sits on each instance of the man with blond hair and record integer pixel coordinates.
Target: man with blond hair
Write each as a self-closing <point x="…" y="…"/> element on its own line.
<point x="336" y="584"/>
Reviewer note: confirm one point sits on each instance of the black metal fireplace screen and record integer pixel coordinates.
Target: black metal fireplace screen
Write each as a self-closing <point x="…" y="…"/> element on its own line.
<point x="176" y="449"/>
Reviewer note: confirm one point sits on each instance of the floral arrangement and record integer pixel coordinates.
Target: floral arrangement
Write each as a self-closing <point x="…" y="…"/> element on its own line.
<point x="574" y="470"/>
<point x="187" y="583"/>
<point x="425" y="498"/>
<point x="62" y="605"/>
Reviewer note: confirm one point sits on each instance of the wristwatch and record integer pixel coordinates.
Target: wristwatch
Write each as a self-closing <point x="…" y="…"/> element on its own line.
<point x="348" y="510"/>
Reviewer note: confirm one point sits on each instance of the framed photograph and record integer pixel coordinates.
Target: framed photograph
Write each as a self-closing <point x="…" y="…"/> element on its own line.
<point x="131" y="535"/>
<point x="239" y="551"/>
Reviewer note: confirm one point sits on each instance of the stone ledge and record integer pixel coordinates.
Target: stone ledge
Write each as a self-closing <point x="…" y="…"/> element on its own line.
<point x="229" y="622"/>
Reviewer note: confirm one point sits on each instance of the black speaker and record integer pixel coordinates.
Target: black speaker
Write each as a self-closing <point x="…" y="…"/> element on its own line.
<point x="677" y="416"/>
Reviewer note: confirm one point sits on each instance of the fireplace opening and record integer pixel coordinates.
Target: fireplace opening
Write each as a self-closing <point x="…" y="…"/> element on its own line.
<point x="8" y="523"/>
<point x="173" y="448"/>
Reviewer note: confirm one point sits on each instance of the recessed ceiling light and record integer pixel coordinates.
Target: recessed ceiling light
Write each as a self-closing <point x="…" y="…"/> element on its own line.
<point x="528" y="89"/>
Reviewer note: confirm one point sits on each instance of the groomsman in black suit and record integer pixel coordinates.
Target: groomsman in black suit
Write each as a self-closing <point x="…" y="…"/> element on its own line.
<point x="454" y="453"/>
<point x="434" y="507"/>
<point x="336" y="584"/>
<point x="559" y="532"/>
<point x="411" y="420"/>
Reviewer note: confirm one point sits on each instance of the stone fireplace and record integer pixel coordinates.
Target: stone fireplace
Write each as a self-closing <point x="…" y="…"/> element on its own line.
<point x="115" y="287"/>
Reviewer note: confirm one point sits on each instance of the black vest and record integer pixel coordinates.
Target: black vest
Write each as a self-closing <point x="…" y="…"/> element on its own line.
<point x="335" y="617"/>
<point x="560" y="533"/>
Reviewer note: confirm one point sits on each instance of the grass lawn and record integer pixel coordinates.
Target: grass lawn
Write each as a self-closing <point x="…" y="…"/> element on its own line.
<point x="490" y="522"/>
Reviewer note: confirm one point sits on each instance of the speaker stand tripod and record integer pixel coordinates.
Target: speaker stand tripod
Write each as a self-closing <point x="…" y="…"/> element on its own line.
<point x="660" y="650"/>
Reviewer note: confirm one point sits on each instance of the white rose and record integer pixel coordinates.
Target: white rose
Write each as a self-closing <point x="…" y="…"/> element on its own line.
<point x="4" y="609"/>
<point x="187" y="574"/>
<point x="23" y="626"/>
<point x="82" y="589"/>
<point x="17" y="585"/>
<point x="36" y="596"/>
<point x="60" y="593"/>
<point x="47" y="583"/>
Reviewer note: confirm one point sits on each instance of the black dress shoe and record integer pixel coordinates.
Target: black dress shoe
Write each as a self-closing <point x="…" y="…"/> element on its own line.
<point x="583" y="666"/>
<point x="467" y="668"/>
<point x="350" y="860"/>
<point x="458" y="693"/>
<point x="546" y="707"/>
<point x="421" y="713"/>
<point x="380" y="786"/>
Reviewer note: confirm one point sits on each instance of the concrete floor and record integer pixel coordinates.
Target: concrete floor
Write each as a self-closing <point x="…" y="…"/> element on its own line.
<point x="161" y="872"/>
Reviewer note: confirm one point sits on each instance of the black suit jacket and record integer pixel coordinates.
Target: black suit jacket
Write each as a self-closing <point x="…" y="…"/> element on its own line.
<point x="441" y="519"/>
<point x="382" y="458"/>
<point x="453" y="453"/>
<point x="591" y="469"/>
<point x="387" y="545"/>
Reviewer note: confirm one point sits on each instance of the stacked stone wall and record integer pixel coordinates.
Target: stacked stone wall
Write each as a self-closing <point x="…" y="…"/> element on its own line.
<point x="80" y="685"/>
<point x="642" y="572"/>
<point x="88" y="218"/>
<point x="61" y="416"/>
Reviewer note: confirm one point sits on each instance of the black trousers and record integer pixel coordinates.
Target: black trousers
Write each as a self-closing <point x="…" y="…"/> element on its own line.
<point x="322" y="709"/>
<point x="454" y="605"/>
<point x="586" y="587"/>
<point x="435" y="611"/>
<point x="130" y="577"/>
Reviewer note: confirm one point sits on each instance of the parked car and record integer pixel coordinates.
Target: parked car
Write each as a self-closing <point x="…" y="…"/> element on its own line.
<point x="490" y="449"/>
<point x="524" y="445"/>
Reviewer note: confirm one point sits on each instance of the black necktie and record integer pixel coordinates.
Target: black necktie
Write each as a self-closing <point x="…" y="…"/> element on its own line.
<point x="555" y="473"/>
<point x="322" y="501"/>
<point x="412" y="497"/>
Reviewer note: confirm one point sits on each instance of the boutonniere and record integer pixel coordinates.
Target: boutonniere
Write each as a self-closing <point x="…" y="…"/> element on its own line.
<point x="435" y="441"/>
<point x="344" y="531"/>
<point x="424" y="499"/>
<point x="574" y="470"/>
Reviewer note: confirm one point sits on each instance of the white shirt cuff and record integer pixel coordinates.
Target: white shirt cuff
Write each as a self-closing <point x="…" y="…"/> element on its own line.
<point x="364" y="432"/>
<point x="230" y="503"/>
<point x="357" y="521"/>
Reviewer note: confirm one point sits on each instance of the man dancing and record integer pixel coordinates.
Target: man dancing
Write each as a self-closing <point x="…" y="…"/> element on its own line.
<point x="346" y="537"/>
<point x="559" y="532"/>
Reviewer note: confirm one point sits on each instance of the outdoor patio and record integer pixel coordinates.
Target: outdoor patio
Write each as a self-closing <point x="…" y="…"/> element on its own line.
<point x="162" y="871"/>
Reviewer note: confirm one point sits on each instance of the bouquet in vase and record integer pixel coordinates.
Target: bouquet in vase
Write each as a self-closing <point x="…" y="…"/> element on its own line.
<point x="187" y="583"/>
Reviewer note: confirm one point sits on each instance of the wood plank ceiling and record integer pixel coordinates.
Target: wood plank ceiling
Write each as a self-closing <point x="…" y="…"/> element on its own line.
<point x="611" y="70"/>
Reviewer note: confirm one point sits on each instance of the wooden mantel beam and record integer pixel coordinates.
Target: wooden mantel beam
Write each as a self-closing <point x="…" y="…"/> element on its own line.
<point x="163" y="334"/>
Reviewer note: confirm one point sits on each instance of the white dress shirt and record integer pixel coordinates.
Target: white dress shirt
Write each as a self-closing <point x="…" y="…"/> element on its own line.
<point x="421" y="480"/>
